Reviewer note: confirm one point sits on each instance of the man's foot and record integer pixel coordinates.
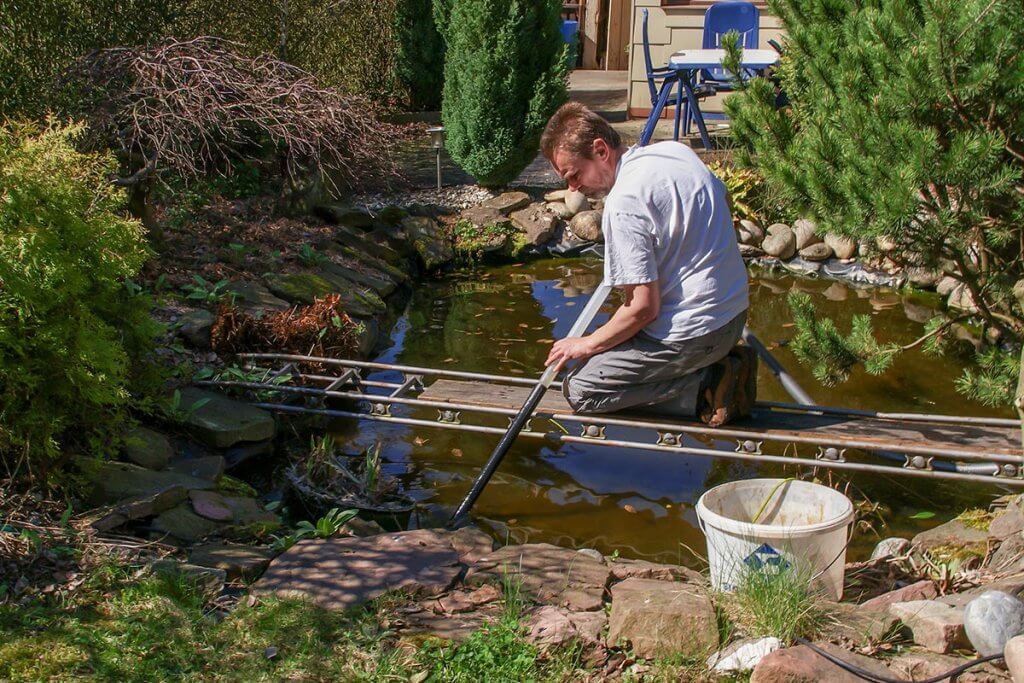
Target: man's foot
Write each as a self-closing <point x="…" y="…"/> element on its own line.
<point x="747" y="390"/>
<point x="720" y="396"/>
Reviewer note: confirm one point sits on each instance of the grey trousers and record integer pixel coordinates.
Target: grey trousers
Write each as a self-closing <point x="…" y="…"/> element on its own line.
<point x="643" y="372"/>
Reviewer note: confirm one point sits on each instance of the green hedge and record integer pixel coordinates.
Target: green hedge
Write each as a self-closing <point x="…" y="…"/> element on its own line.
<point x="70" y="330"/>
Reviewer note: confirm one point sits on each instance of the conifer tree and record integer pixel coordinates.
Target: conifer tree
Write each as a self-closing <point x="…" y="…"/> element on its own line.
<point x="906" y="123"/>
<point x="419" y="62"/>
<point x="505" y="74"/>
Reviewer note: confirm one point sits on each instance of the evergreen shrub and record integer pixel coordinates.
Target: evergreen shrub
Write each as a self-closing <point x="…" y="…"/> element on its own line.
<point x="505" y="74"/>
<point x="906" y="124"/>
<point x="419" y="62"/>
<point x="71" y="331"/>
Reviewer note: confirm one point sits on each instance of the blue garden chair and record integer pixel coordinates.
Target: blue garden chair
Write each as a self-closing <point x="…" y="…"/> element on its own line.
<point x="663" y="74"/>
<point x="719" y="19"/>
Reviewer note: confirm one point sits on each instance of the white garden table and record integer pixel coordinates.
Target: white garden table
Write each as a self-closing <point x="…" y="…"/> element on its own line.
<point x="686" y="64"/>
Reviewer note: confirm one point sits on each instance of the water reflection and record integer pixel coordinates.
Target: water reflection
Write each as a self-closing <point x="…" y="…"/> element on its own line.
<point x="503" y="321"/>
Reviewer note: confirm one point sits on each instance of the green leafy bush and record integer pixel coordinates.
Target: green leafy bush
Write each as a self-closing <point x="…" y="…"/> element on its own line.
<point x="505" y="74"/>
<point x="419" y="62"/>
<point x="70" y="329"/>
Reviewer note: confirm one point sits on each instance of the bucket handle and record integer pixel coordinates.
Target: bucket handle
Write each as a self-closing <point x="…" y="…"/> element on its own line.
<point x="849" y="539"/>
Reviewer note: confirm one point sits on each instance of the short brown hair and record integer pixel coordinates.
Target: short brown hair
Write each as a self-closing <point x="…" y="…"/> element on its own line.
<point x="574" y="128"/>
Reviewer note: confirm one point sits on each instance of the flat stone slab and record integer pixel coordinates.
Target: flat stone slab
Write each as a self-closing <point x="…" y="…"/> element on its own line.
<point x="918" y="666"/>
<point x="625" y="568"/>
<point x="147" y="448"/>
<point x="237" y="561"/>
<point x="222" y="422"/>
<point x="114" y="481"/>
<point x="139" y="507"/>
<point x="662" y="618"/>
<point x="185" y="525"/>
<point x="953" y="533"/>
<point x="936" y="626"/>
<point x="415" y="620"/>
<point x="206" y="467"/>
<point x="802" y="665"/>
<point x="550" y="626"/>
<point x="921" y="590"/>
<point x="341" y="573"/>
<point x="549" y="574"/>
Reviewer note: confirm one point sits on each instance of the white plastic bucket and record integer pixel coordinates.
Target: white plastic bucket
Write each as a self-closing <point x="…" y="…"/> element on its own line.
<point x="803" y="525"/>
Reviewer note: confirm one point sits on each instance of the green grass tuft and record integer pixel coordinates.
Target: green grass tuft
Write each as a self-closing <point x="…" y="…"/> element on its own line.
<point x="776" y="602"/>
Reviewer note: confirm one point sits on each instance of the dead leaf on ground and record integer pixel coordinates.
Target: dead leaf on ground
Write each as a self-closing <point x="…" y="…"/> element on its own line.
<point x="457" y="452"/>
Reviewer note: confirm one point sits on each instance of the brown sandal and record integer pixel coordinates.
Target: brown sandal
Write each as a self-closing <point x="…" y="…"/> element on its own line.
<point x="721" y="398"/>
<point x="747" y="389"/>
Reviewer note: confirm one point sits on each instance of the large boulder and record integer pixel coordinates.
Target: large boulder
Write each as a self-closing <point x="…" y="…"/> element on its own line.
<point x="780" y="241"/>
<point x="805" y="231"/>
<point x="219" y="421"/>
<point x="587" y="226"/>
<point x="537" y="224"/>
<point x="662" y="618"/>
<point x="429" y="241"/>
<point x="547" y="573"/>
<point x="147" y="448"/>
<point x="844" y="247"/>
<point x="507" y="202"/>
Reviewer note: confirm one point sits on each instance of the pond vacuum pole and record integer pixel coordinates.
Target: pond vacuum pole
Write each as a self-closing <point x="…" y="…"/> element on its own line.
<point x="587" y="315"/>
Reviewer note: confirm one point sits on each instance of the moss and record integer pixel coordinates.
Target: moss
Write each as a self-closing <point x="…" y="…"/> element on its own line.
<point x="300" y="288"/>
<point x="957" y="552"/>
<point x="975" y="519"/>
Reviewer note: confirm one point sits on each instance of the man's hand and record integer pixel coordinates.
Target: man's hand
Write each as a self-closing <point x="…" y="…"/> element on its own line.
<point x="570" y="348"/>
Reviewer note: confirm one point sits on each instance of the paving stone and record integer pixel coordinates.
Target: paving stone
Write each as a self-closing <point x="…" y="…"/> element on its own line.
<point x="935" y="626"/>
<point x="237" y="561"/>
<point x="918" y="666"/>
<point x="185" y="525"/>
<point x="222" y="422"/>
<point x="920" y="590"/>
<point x="550" y="626"/>
<point x="507" y="202"/>
<point x="112" y="482"/>
<point x="209" y="467"/>
<point x="147" y="448"/>
<point x="802" y="665"/>
<point x="340" y="573"/>
<point x="625" y="568"/>
<point x="662" y="618"/>
<point x="549" y="574"/>
<point x="139" y="507"/>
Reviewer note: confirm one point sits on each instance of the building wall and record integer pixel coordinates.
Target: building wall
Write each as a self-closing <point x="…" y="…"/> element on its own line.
<point x="671" y="29"/>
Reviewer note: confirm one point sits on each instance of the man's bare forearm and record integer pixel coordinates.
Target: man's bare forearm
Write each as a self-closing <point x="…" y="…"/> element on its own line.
<point x="624" y="324"/>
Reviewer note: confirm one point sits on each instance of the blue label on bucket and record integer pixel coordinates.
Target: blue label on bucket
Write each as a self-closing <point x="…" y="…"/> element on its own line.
<point x="766" y="556"/>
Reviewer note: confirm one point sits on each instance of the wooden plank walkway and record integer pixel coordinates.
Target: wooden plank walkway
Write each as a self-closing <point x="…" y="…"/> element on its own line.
<point x="769" y="424"/>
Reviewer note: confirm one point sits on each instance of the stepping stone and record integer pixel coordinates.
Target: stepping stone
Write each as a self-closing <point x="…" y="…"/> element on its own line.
<point x="148" y="448"/>
<point x="661" y="618"/>
<point x="341" y="573"/>
<point x="237" y="561"/>
<point x="415" y="620"/>
<point x="222" y="422"/>
<point x="548" y="574"/>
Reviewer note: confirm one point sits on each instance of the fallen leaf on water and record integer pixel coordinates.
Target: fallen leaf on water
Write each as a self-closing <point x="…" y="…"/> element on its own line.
<point x="513" y="521"/>
<point x="570" y="303"/>
<point x="788" y="324"/>
<point x="629" y="508"/>
<point x="449" y="360"/>
<point x="523" y="325"/>
<point x="457" y="452"/>
<point x="420" y="441"/>
<point x="545" y="341"/>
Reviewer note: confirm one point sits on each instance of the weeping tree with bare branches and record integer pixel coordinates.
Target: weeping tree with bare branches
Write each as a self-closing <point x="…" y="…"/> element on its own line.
<point x="200" y="106"/>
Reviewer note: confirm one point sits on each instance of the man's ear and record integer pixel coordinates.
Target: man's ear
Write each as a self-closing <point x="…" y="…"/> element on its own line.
<point x="600" y="149"/>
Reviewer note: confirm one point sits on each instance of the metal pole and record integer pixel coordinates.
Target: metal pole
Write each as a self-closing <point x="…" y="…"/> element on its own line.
<point x="785" y="379"/>
<point x="438" y="168"/>
<point x="597" y="300"/>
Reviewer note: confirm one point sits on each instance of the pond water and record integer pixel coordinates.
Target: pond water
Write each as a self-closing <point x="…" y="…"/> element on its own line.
<point x="502" y="320"/>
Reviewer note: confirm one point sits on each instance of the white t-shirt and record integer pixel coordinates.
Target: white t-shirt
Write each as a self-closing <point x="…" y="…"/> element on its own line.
<point x="667" y="219"/>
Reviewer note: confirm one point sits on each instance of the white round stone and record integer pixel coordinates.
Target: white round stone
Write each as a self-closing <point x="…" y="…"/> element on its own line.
<point x="890" y="547"/>
<point x="576" y="202"/>
<point x="991" y="619"/>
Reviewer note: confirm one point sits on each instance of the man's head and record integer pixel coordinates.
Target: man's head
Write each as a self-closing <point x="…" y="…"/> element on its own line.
<point x="583" y="148"/>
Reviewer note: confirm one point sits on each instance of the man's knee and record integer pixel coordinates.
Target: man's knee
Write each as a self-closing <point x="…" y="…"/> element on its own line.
<point x="580" y="395"/>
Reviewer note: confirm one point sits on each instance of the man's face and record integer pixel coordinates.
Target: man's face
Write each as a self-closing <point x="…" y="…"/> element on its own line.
<point x="593" y="176"/>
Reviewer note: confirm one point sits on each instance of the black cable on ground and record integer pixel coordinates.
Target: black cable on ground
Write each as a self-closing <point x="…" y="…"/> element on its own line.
<point x="875" y="678"/>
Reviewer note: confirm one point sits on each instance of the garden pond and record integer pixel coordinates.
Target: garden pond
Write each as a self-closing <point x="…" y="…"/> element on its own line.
<point x="502" y="320"/>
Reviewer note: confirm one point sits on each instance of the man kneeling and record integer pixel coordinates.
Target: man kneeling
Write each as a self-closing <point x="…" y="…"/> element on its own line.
<point x="670" y="247"/>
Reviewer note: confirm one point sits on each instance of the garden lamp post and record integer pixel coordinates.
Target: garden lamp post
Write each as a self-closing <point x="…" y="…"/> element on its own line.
<point x="437" y="142"/>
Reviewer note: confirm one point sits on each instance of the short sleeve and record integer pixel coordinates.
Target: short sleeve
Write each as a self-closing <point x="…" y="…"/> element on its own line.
<point x="629" y="249"/>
